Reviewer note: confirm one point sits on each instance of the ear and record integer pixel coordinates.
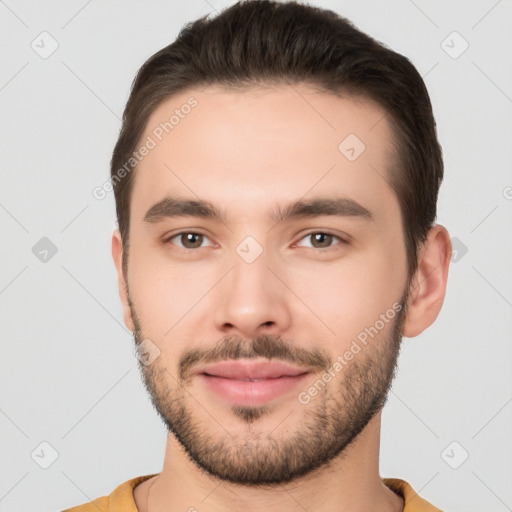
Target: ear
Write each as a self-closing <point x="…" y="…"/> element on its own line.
<point x="428" y="287"/>
<point x="117" y="255"/>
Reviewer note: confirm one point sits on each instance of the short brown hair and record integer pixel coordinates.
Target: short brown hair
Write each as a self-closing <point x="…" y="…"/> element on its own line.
<point x="262" y="42"/>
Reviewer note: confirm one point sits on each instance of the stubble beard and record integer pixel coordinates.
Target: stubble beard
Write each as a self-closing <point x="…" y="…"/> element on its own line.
<point x="325" y="427"/>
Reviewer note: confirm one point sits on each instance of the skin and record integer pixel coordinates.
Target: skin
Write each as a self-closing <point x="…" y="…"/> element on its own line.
<point x="248" y="152"/>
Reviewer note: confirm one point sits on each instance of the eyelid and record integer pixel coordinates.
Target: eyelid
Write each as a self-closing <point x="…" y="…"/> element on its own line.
<point x="167" y="238"/>
<point x="343" y="239"/>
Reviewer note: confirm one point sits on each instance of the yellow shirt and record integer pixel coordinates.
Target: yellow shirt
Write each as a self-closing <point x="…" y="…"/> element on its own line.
<point x="121" y="499"/>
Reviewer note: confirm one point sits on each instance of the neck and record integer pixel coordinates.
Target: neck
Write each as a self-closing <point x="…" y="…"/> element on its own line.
<point x="349" y="482"/>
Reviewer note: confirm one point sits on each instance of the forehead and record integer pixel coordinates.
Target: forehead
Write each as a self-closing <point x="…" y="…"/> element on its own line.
<point x="260" y="146"/>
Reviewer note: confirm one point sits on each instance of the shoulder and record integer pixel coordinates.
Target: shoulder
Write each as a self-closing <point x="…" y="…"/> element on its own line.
<point x="97" y="504"/>
<point x="413" y="501"/>
<point x="120" y="500"/>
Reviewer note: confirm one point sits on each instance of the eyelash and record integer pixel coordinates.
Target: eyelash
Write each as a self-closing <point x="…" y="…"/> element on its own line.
<point x="340" y="239"/>
<point x="328" y="233"/>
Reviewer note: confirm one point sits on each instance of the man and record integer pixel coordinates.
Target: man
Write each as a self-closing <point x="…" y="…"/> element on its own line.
<point x="276" y="181"/>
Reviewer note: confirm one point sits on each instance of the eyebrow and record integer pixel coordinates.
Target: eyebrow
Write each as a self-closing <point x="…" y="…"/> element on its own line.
<point x="172" y="207"/>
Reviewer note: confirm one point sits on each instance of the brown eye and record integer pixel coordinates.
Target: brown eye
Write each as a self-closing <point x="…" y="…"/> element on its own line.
<point x="321" y="240"/>
<point x="188" y="240"/>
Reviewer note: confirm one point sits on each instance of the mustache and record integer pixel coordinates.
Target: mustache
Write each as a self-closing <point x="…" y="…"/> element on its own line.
<point x="268" y="346"/>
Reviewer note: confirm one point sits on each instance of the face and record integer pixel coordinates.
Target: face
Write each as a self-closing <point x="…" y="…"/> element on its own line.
<point x="266" y="276"/>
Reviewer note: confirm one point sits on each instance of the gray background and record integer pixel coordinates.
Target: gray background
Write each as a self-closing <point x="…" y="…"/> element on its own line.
<point x="69" y="375"/>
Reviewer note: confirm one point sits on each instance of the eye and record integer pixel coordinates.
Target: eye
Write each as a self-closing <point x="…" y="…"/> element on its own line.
<point x="321" y="240"/>
<point x="188" y="240"/>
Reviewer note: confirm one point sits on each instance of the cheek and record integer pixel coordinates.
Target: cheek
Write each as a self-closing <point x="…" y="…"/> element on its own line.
<point x="166" y="293"/>
<point x="349" y="295"/>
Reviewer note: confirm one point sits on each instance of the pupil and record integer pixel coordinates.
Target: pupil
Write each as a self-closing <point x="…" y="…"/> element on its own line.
<point x="322" y="237"/>
<point x="192" y="239"/>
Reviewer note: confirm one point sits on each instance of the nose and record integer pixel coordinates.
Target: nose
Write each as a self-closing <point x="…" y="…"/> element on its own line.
<point x="251" y="300"/>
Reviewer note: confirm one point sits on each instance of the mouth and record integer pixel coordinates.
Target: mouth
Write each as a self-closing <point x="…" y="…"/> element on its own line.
<point x="252" y="370"/>
<point x="251" y="383"/>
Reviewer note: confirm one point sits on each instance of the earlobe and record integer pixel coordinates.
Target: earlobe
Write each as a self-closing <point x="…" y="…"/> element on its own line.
<point x="428" y="287"/>
<point x="117" y="255"/>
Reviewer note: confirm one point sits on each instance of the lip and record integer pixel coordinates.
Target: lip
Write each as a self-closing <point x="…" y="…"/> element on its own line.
<point x="251" y="383"/>
<point x="252" y="370"/>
